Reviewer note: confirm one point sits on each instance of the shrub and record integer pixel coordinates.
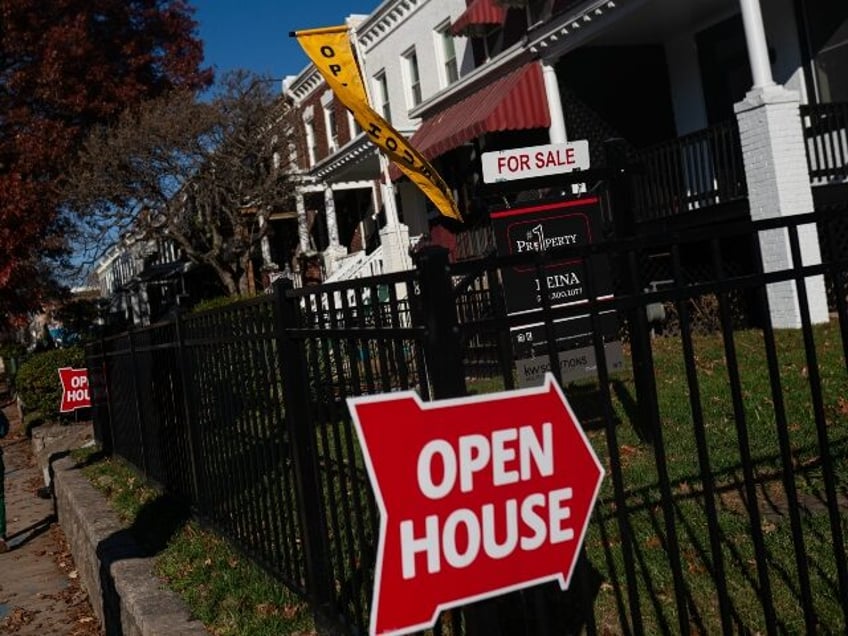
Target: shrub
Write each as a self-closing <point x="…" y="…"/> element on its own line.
<point x="220" y="301"/>
<point x="38" y="382"/>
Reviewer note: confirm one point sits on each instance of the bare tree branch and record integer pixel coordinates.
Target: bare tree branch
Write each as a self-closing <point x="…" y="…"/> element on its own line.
<point x="202" y="174"/>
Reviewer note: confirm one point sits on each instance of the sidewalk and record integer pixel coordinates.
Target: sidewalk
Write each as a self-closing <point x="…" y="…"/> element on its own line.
<point x="40" y="594"/>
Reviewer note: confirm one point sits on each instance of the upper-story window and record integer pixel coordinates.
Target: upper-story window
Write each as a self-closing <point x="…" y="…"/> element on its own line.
<point x="352" y="126"/>
<point x="538" y="11"/>
<point x="828" y="49"/>
<point x="447" y="52"/>
<point x="381" y="99"/>
<point x="494" y="42"/>
<point x="310" y="141"/>
<point x="330" y="125"/>
<point x="413" y="77"/>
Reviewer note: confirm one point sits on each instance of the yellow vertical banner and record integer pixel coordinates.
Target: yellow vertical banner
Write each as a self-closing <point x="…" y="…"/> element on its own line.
<point x="331" y="52"/>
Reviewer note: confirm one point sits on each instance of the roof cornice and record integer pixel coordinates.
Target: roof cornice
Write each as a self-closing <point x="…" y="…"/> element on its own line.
<point x="384" y="20"/>
<point x="305" y="83"/>
<point x="570" y="30"/>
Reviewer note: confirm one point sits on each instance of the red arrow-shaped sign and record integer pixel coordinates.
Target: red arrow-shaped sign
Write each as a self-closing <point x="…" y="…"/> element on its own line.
<point x="74" y="389"/>
<point x="478" y="496"/>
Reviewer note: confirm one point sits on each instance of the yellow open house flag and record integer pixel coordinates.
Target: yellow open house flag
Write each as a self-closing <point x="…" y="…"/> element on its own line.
<point x="330" y="50"/>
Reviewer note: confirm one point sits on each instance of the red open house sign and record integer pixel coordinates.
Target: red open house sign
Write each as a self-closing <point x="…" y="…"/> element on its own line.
<point x="478" y="496"/>
<point x="74" y="389"/>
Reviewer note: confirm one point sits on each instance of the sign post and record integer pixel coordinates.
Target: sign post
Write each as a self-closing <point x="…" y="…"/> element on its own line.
<point x="478" y="496"/>
<point x="75" y="393"/>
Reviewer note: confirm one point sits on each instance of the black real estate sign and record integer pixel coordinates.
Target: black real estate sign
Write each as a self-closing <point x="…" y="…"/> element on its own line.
<point x="541" y="226"/>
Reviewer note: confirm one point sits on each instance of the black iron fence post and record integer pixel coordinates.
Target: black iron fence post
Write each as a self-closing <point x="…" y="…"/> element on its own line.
<point x="442" y="349"/>
<point x="103" y="429"/>
<point x="192" y="437"/>
<point x="137" y="399"/>
<point x="445" y="368"/>
<point x="624" y="224"/>
<point x="300" y="429"/>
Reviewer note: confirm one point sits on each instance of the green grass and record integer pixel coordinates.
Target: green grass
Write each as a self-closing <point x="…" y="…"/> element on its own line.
<point x="688" y="482"/>
<point x="228" y="593"/>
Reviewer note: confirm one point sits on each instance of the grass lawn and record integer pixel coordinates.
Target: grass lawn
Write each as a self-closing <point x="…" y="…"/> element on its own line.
<point x="726" y="467"/>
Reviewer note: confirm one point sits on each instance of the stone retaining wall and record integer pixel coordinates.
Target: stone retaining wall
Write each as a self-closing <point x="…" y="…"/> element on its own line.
<point x="124" y="592"/>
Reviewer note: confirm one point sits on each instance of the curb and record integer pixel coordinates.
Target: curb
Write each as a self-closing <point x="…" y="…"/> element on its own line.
<point x="124" y="592"/>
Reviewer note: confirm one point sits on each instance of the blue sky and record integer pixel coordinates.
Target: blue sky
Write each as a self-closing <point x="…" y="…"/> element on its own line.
<point x="254" y="34"/>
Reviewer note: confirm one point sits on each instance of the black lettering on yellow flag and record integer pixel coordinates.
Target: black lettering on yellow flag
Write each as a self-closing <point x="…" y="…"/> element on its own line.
<point x="331" y="52"/>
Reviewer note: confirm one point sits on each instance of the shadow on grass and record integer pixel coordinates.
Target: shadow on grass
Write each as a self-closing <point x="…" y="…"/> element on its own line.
<point x="155" y="524"/>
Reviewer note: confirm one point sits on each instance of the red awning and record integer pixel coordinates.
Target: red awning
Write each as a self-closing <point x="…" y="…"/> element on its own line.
<point x="480" y="13"/>
<point x="516" y="101"/>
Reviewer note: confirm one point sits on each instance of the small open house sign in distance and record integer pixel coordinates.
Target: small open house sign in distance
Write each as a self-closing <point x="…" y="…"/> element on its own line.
<point x="74" y="389"/>
<point x="478" y="496"/>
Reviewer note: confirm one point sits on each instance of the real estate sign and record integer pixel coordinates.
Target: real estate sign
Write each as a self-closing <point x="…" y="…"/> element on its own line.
<point x="478" y="496"/>
<point x="535" y="161"/>
<point x="75" y="393"/>
<point x="540" y="227"/>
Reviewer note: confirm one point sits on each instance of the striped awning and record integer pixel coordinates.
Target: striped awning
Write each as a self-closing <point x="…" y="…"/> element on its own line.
<point x="479" y="15"/>
<point x="515" y="101"/>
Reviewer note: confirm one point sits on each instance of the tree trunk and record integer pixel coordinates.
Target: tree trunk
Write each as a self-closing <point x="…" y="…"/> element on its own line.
<point x="246" y="284"/>
<point x="229" y="281"/>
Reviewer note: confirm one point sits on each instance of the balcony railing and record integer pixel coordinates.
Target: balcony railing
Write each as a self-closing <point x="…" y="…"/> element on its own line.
<point x="695" y="171"/>
<point x="825" y="127"/>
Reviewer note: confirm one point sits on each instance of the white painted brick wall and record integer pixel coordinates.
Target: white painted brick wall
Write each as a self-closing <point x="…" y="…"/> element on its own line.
<point x="779" y="185"/>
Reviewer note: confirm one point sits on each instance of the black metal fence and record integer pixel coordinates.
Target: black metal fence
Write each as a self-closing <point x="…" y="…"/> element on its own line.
<point x="725" y="504"/>
<point x="826" y="138"/>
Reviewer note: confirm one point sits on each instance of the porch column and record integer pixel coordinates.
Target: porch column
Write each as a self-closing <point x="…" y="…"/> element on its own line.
<point x="557" y="132"/>
<point x="394" y="236"/>
<point x="779" y="185"/>
<point x="302" y="222"/>
<point x="755" y="38"/>
<point x="334" y="250"/>
<point x="330" y="214"/>
<point x="265" y="244"/>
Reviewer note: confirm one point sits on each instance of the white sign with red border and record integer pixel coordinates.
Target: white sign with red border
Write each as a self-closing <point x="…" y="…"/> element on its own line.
<point x="535" y="161"/>
<point x="478" y="496"/>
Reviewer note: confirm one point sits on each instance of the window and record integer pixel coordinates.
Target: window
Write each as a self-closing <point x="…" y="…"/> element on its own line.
<point x="352" y="126"/>
<point x="828" y="44"/>
<point x="382" y="96"/>
<point x="310" y="141"/>
<point x="494" y="42"/>
<point x="448" y="55"/>
<point x="413" y="78"/>
<point x="330" y="125"/>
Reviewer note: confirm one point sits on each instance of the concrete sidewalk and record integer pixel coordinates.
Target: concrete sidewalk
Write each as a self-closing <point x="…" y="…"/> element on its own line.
<point x="40" y="594"/>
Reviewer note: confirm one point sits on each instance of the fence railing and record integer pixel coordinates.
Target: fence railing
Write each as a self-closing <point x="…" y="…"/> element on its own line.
<point x="701" y="169"/>
<point x="826" y="136"/>
<point x="726" y="448"/>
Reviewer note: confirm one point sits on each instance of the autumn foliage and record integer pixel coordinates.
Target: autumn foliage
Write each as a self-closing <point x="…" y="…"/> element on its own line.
<point x="65" y="66"/>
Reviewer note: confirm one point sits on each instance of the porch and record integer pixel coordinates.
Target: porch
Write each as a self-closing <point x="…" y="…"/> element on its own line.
<point x="700" y="178"/>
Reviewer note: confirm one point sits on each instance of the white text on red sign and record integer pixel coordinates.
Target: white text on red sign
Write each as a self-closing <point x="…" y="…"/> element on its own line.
<point x="75" y="393"/>
<point x="478" y="496"/>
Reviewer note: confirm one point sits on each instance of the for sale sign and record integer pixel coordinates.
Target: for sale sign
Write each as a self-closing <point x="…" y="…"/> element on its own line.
<point x="74" y="389"/>
<point x="535" y="161"/>
<point x="478" y="496"/>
